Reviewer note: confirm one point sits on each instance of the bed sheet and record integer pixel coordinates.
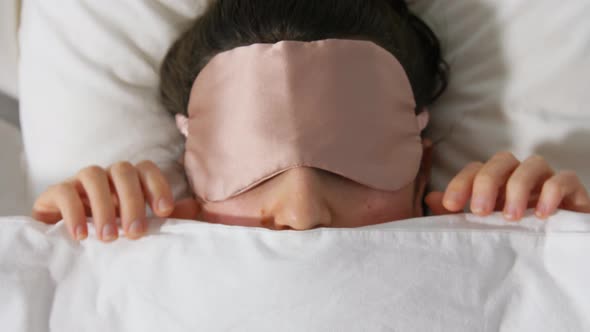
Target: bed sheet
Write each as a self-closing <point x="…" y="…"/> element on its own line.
<point x="450" y="273"/>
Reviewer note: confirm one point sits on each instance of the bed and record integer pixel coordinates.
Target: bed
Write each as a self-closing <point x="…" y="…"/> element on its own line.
<point x="519" y="83"/>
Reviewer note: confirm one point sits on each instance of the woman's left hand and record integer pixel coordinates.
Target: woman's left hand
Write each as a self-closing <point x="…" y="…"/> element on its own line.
<point x="506" y="184"/>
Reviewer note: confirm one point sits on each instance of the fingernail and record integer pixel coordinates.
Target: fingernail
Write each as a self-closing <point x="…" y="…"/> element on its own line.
<point x="109" y="232"/>
<point x="541" y="210"/>
<point x="164" y="205"/>
<point x="136" y="227"/>
<point x="511" y="212"/>
<point x="452" y="198"/>
<point x="80" y="233"/>
<point x="480" y="204"/>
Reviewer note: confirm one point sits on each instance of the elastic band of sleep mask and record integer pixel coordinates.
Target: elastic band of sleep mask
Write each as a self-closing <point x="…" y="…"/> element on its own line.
<point x="182" y="122"/>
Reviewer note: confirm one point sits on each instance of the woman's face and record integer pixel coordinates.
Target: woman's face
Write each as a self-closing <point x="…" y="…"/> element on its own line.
<point x="304" y="198"/>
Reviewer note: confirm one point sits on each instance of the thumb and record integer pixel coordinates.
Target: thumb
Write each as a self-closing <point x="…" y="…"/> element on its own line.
<point x="186" y="209"/>
<point x="434" y="202"/>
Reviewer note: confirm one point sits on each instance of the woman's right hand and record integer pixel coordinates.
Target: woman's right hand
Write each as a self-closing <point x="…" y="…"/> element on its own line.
<point x="121" y="190"/>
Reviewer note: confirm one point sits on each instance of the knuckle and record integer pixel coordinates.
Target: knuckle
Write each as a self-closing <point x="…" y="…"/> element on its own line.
<point x="90" y="171"/>
<point x="145" y="164"/>
<point x="551" y="183"/>
<point x="51" y="189"/>
<point x="569" y="174"/>
<point x="152" y="175"/>
<point x="537" y="159"/>
<point x="475" y="164"/>
<point x="505" y="155"/>
<point x="123" y="168"/>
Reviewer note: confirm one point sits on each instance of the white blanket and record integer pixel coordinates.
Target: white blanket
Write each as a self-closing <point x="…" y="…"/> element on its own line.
<point x="453" y="273"/>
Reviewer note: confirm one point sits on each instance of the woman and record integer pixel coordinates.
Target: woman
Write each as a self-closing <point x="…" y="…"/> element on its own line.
<point x="198" y="80"/>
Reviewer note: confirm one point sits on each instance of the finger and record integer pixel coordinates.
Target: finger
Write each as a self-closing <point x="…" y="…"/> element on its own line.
<point x="155" y="188"/>
<point x="488" y="181"/>
<point x="501" y="200"/>
<point x="186" y="209"/>
<point x="127" y="185"/>
<point x="459" y="189"/>
<point x="563" y="187"/>
<point x="519" y="187"/>
<point x="45" y="208"/>
<point x="434" y="201"/>
<point x="62" y="201"/>
<point x="95" y="183"/>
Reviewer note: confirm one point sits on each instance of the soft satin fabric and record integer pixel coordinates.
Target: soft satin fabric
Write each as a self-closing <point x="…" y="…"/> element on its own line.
<point x="344" y="106"/>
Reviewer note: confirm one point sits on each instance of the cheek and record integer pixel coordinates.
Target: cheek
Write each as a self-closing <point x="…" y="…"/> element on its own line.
<point x="236" y="212"/>
<point x="379" y="207"/>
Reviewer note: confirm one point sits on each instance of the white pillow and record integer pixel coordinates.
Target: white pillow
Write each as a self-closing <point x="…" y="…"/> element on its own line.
<point x="89" y="77"/>
<point x="89" y="85"/>
<point x="520" y="80"/>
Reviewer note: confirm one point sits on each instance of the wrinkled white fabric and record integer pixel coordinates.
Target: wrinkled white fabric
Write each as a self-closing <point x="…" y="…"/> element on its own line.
<point x="449" y="273"/>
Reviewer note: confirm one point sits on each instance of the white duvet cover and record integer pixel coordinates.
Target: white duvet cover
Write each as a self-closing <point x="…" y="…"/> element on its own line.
<point x="450" y="273"/>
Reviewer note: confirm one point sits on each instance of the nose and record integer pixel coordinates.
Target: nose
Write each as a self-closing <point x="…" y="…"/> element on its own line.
<point x="301" y="203"/>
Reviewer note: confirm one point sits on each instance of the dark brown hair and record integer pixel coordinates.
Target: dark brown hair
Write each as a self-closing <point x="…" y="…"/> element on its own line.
<point x="227" y="24"/>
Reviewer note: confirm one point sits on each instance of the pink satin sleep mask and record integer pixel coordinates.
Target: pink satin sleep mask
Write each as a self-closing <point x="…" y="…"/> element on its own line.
<point x="343" y="106"/>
